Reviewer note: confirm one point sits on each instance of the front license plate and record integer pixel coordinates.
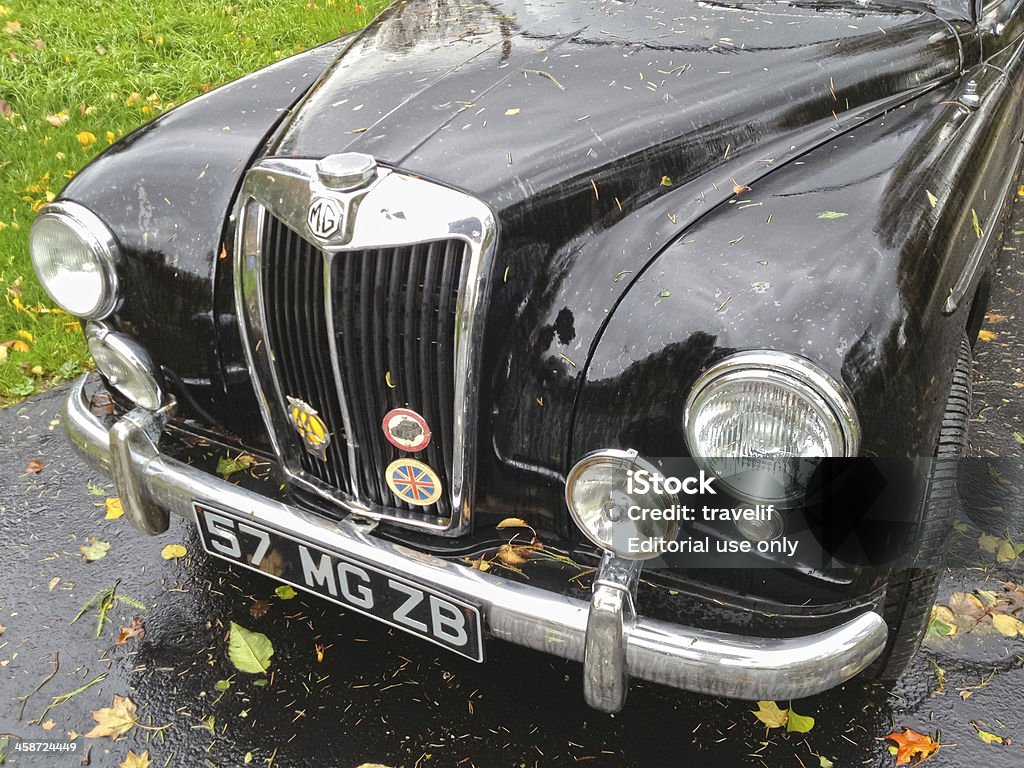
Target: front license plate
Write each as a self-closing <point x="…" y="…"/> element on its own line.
<point x="356" y="585"/>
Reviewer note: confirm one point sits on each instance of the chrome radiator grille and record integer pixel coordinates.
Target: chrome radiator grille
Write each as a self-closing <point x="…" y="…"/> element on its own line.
<point x="394" y="326"/>
<point x="353" y="302"/>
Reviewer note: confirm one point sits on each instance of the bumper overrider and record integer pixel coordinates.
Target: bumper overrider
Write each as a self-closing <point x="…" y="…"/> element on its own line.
<point x="606" y="634"/>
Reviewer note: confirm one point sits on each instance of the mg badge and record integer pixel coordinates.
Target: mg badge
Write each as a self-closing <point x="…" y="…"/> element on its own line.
<point x="324" y="217"/>
<point x="406" y="430"/>
<point x="310" y="426"/>
<point x="413" y="482"/>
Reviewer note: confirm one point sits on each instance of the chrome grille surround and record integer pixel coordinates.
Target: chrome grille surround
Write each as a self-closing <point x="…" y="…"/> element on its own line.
<point x="394" y="211"/>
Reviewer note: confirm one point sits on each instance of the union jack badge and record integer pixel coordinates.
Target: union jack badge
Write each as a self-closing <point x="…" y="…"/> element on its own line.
<point x="310" y="426"/>
<point x="413" y="482"/>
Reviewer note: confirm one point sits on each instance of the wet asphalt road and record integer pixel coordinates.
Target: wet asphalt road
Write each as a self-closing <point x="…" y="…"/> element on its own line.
<point x="379" y="696"/>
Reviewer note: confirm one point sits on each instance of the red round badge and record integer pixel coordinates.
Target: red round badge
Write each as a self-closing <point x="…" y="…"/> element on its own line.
<point x="406" y="430"/>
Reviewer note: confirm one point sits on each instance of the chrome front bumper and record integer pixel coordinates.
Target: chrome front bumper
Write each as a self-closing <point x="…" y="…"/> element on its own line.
<point x="605" y="634"/>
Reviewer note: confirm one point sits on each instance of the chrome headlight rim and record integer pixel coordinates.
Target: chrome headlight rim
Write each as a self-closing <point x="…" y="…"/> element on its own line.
<point x="134" y="355"/>
<point x="99" y="239"/>
<point x="629" y="459"/>
<point x="783" y="369"/>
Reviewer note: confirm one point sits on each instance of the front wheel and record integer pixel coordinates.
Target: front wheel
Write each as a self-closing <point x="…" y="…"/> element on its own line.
<point x="910" y="593"/>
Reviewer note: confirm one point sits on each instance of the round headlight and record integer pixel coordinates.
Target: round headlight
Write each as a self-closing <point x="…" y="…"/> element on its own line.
<point x="759" y="421"/>
<point x="126" y="365"/>
<point x="75" y="258"/>
<point x="611" y="513"/>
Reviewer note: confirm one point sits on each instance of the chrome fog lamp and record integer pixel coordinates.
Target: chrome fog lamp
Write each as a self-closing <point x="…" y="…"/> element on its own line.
<point x="75" y="258"/>
<point x="610" y="514"/>
<point x="760" y="421"/>
<point x="126" y="365"/>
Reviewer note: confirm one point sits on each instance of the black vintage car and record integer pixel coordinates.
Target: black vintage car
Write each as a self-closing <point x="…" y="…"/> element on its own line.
<point x="441" y="277"/>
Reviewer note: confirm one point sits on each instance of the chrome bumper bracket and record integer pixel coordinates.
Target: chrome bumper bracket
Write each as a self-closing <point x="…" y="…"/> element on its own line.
<point x="611" y="618"/>
<point x="133" y="444"/>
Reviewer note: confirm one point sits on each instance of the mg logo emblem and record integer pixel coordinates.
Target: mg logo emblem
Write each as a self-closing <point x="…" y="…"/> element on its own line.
<point x="324" y="217"/>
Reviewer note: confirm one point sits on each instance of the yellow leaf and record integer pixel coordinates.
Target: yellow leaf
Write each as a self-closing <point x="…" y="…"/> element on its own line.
<point x="19" y="346"/>
<point x="987" y="736"/>
<point x="26" y="335"/>
<point x="512" y="522"/>
<point x="173" y="552"/>
<point x="114" y="508"/>
<point x="110" y="137"/>
<point x="16" y="302"/>
<point x="511" y="112"/>
<point x="1006" y="552"/>
<point x="86" y="138"/>
<point x="136" y="761"/>
<point x="768" y="712"/>
<point x="985" y="335"/>
<point x="1010" y="626"/>
<point x="1020" y="190"/>
<point x="988" y="543"/>
<point x="115" y="720"/>
<point x="912" y="747"/>
<point x="48" y="725"/>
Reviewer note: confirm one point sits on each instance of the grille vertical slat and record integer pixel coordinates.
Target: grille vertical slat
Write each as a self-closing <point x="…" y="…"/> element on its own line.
<point x="393" y="320"/>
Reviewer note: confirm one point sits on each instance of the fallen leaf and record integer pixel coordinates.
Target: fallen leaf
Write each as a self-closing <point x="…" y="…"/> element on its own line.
<point x="1010" y="626"/>
<point x="12" y="27"/>
<point x="512" y="522"/>
<point x="666" y="181"/>
<point x="510" y="112"/>
<point x="5" y="109"/>
<point x="115" y="720"/>
<point x="994" y="318"/>
<point x="94" y="549"/>
<point x="832" y="215"/>
<point x="1007" y="551"/>
<point x="1019" y="438"/>
<point x="739" y="189"/>
<point x="985" y="335"/>
<point x="978" y="231"/>
<point x="35" y="466"/>
<point x="942" y="622"/>
<point x="86" y="139"/>
<point x="227" y="466"/>
<point x="249" y="651"/>
<point x="768" y="712"/>
<point x="222" y="685"/>
<point x="173" y="552"/>
<point x="136" y="761"/>
<point x="799" y="723"/>
<point x="114" y="508"/>
<point x="967" y="605"/>
<point x="911" y="745"/>
<point x="135" y="630"/>
<point x="54" y="582"/>
<point x="509" y="555"/>
<point x="285" y="592"/>
<point x="988" y="737"/>
<point x="932" y="199"/>
<point x="259" y="609"/>
<point x="58" y="120"/>
<point x="824" y="762"/>
<point x="48" y="725"/>
<point x="989" y="543"/>
<point x="37" y="44"/>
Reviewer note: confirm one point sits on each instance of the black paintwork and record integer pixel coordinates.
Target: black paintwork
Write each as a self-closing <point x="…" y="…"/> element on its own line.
<point x="615" y="143"/>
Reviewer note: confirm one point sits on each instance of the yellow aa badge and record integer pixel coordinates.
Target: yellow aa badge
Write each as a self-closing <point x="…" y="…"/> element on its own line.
<point x="310" y="426"/>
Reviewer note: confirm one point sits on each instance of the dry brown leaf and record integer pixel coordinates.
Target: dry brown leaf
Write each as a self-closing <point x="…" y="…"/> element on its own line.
<point x="510" y="555"/>
<point x="739" y="189"/>
<point x="135" y="630"/>
<point x="48" y="725"/>
<point x="912" y="747"/>
<point x="259" y="608"/>
<point x="966" y="604"/>
<point x="58" y="120"/>
<point x="994" y="318"/>
<point x="35" y="466"/>
<point x="115" y="720"/>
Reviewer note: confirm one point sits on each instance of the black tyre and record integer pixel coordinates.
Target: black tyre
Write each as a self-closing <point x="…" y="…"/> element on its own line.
<point x="911" y="592"/>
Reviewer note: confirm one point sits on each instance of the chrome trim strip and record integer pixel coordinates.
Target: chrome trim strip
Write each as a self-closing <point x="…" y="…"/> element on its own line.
<point x="700" y="660"/>
<point x="394" y="210"/>
<point x="975" y="260"/>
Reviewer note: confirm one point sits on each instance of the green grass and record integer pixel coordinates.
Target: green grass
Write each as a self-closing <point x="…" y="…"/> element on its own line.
<point x="109" y="66"/>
